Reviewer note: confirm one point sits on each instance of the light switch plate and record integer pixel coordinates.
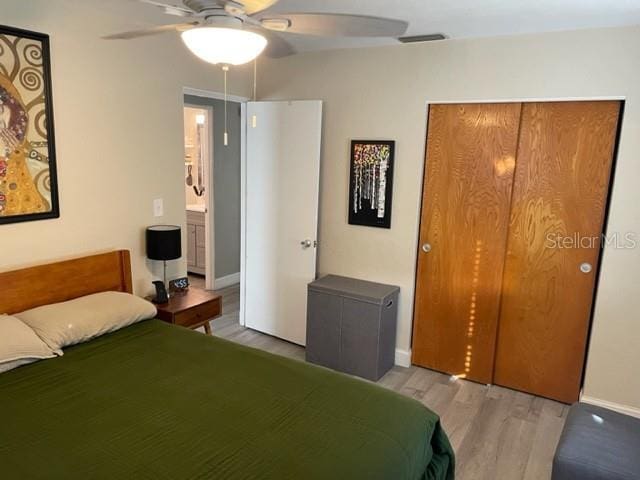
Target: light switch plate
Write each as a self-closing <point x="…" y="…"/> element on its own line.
<point x="158" y="207"/>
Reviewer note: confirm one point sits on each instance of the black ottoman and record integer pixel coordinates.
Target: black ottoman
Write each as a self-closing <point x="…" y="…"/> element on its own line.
<point x="598" y="444"/>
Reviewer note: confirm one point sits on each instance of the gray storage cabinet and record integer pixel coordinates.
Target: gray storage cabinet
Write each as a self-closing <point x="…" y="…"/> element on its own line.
<point x="597" y="444"/>
<point x="351" y="325"/>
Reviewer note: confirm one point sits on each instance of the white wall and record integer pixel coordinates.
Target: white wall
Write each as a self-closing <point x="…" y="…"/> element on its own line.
<point x="382" y="93"/>
<point x="119" y="130"/>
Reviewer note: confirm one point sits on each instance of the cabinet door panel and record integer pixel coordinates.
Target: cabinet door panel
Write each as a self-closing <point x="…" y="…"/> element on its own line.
<point x="200" y="236"/>
<point x="469" y="165"/>
<point x="201" y="258"/>
<point x="191" y="246"/>
<point x="560" y="191"/>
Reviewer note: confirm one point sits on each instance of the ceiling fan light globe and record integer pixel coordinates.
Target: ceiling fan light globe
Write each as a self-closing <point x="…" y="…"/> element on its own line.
<point x="227" y="46"/>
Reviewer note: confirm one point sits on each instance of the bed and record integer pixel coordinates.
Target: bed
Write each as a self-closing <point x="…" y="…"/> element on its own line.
<point x="157" y="401"/>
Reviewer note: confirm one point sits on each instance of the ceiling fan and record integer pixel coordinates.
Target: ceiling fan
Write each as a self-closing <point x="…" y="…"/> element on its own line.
<point x="235" y="32"/>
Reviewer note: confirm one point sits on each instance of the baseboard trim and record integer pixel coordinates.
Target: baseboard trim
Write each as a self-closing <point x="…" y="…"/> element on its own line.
<point x="226" y="281"/>
<point x="403" y="358"/>
<point x="617" y="407"/>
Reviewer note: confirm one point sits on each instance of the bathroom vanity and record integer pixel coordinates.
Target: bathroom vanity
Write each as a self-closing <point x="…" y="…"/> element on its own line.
<point x="196" y="250"/>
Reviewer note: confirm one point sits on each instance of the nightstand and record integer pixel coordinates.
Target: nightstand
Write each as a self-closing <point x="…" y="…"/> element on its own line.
<point x="193" y="308"/>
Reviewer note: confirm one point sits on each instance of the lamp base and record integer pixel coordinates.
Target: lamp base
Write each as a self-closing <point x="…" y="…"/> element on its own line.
<point x="164" y="278"/>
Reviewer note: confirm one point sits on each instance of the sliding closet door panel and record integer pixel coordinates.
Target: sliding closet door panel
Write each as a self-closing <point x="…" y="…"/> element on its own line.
<point x="561" y="185"/>
<point x="465" y="214"/>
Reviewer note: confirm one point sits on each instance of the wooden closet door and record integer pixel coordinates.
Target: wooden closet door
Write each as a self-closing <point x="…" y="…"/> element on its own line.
<point x="561" y="184"/>
<point x="465" y="215"/>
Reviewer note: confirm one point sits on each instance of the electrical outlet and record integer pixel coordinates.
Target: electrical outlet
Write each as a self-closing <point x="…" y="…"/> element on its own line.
<point x="158" y="207"/>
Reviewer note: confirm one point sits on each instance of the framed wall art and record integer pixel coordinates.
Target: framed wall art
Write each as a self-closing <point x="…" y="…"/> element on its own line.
<point x="28" y="182"/>
<point x="371" y="183"/>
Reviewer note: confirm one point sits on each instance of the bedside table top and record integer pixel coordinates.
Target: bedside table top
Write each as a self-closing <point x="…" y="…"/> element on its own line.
<point x="181" y="301"/>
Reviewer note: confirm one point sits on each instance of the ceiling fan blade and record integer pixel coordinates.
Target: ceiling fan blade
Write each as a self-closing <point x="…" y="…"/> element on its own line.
<point x="150" y="31"/>
<point x="277" y="47"/>
<point x="339" y="25"/>
<point x="254" y="6"/>
<point x="180" y="11"/>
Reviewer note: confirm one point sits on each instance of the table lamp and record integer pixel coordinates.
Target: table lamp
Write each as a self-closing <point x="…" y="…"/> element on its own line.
<point x="164" y="242"/>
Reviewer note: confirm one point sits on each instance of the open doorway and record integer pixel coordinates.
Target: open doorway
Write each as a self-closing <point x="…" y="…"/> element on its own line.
<point x="197" y="163"/>
<point x="213" y="190"/>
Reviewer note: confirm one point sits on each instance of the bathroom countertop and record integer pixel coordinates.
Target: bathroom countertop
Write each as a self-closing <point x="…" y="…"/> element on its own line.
<point x="196" y="208"/>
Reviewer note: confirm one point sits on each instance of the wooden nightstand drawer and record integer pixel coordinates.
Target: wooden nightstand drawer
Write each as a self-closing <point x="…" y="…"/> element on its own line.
<point x="192" y="309"/>
<point x="199" y="314"/>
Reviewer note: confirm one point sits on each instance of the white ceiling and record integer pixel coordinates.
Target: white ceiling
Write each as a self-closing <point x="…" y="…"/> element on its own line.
<point x="469" y="18"/>
<point x="454" y="18"/>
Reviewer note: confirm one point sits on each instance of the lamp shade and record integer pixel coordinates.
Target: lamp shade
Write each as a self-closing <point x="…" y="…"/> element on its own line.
<point x="164" y="242"/>
<point x="230" y="46"/>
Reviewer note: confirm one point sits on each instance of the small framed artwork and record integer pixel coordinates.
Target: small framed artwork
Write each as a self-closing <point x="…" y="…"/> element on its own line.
<point x="28" y="182"/>
<point x="371" y="183"/>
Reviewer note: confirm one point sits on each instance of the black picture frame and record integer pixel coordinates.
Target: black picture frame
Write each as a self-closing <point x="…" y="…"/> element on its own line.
<point x="48" y="121"/>
<point x="365" y="185"/>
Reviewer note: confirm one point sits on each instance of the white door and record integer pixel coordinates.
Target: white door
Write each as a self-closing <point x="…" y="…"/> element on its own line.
<point x="281" y="215"/>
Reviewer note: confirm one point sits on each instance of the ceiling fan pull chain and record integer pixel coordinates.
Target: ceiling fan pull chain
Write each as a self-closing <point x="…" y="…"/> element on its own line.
<point x="254" y="118"/>
<point x="255" y="79"/>
<point x="225" y="69"/>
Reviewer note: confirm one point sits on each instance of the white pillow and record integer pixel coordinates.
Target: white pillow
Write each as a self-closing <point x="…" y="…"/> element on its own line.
<point x="81" y="319"/>
<point x="19" y="344"/>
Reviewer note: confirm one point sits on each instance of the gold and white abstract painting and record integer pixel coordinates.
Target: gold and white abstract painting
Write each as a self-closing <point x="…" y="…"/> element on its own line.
<point x="28" y="189"/>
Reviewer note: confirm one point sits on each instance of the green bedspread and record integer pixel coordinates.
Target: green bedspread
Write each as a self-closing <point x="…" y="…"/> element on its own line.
<point x="154" y="401"/>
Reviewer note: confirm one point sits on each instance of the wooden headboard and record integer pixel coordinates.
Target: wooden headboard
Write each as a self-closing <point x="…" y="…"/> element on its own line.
<point x="57" y="282"/>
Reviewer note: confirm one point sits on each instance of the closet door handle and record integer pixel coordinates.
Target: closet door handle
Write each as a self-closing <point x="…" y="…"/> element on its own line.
<point x="426" y="248"/>
<point x="586" y="267"/>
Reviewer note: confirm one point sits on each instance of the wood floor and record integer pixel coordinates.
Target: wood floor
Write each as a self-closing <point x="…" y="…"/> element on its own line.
<point x="497" y="433"/>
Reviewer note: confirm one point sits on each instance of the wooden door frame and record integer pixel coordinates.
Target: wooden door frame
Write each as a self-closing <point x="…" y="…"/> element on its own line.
<point x="605" y="225"/>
